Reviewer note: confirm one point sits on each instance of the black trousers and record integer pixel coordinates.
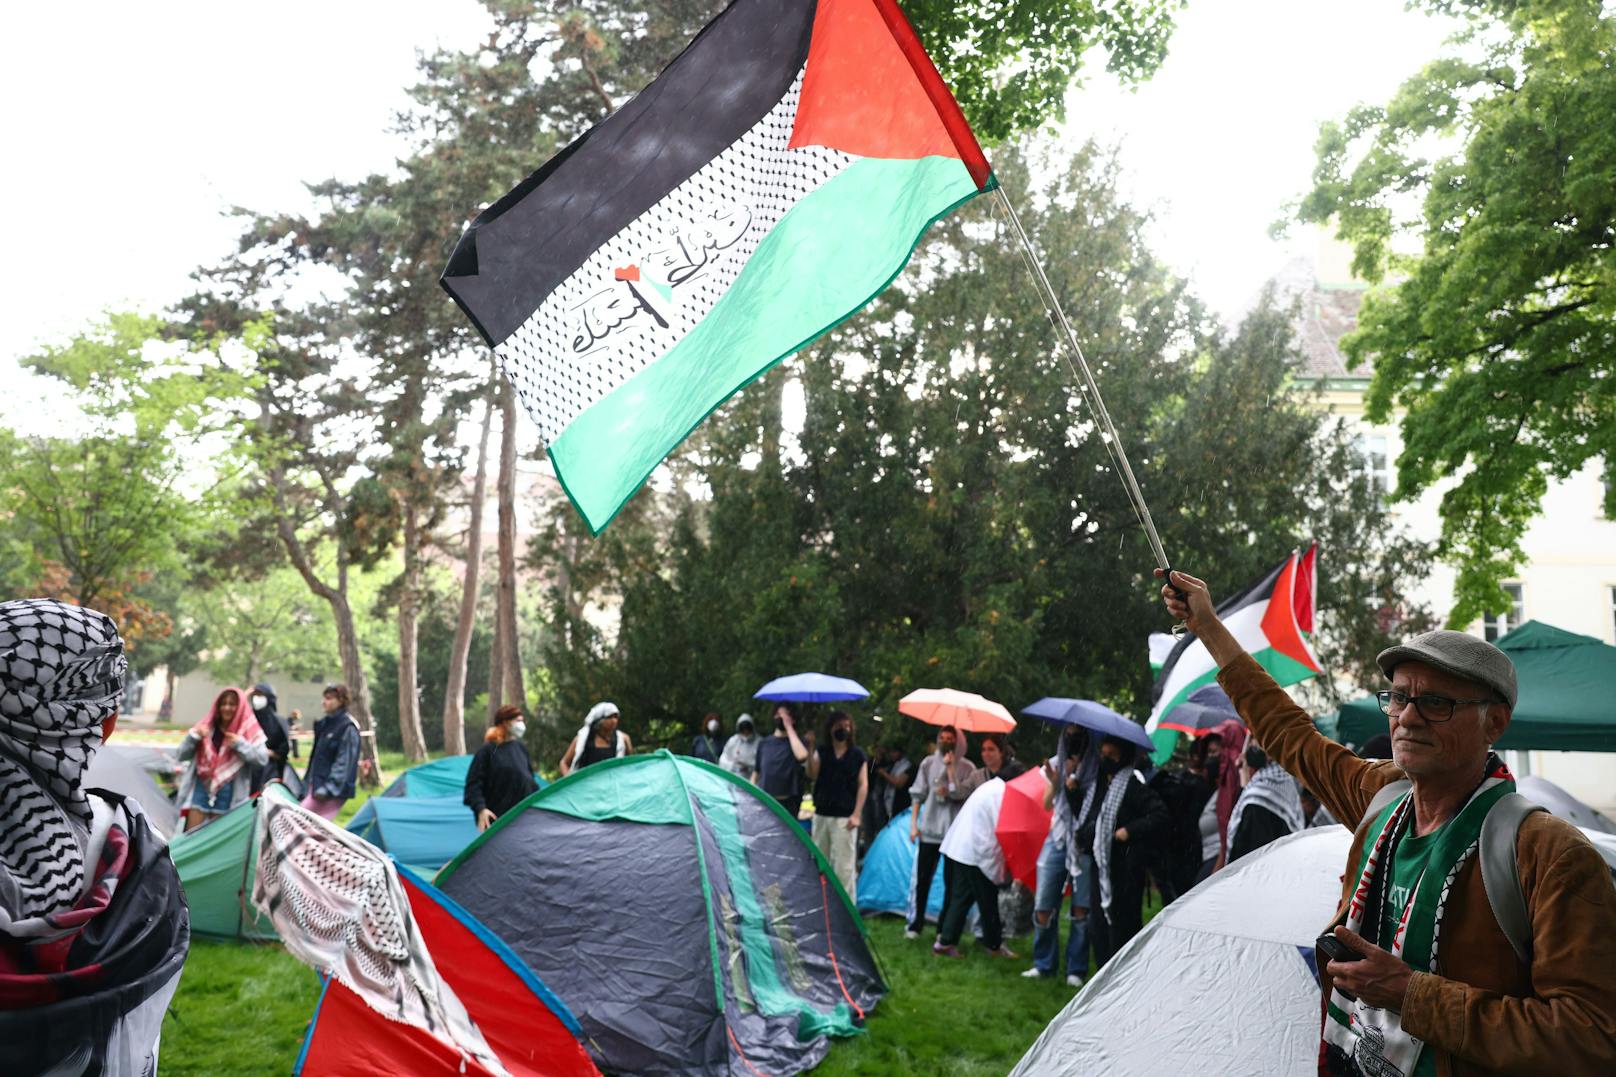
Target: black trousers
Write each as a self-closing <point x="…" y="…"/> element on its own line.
<point x="1110" y="929"/>
<point x="926" y="856"/>
<point x="968" y="886"/>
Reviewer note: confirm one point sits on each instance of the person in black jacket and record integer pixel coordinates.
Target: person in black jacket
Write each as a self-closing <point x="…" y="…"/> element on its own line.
<point x="334" y="759"/>
<point x="1270" y="805"/>
<point x="1122" y="820"/>
<point x="501" y="774"/>
<point x="275" y="735"/>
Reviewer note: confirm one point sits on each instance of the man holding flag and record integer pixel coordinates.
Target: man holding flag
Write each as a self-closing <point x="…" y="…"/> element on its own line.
<point x="1428" y="976"/>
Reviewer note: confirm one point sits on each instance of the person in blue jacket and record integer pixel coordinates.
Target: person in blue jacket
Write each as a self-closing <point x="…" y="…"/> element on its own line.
<point x="334" y="759"/>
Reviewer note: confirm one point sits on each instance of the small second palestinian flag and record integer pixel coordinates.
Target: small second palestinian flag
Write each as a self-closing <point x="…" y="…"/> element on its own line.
<point x="1272" y="619"/>
<point x="773" y="180"/>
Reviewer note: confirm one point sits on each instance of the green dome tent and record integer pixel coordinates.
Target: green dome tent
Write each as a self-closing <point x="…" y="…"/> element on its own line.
<point x="1566" y="681"/>
<point x="216" y="863"/>
<point x="679" y="913"/>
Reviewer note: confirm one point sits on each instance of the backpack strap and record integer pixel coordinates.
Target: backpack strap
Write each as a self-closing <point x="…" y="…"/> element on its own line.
<point x="1384" y="796"/>
<point x="1499" y="874"/>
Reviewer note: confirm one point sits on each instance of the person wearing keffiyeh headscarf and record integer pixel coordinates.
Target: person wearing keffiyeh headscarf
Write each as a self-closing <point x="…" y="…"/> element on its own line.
<point x="93" y="925"/>
<point x="225" y="750"/>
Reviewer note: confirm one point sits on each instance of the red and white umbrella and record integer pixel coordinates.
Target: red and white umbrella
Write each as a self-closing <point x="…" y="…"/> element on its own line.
<point x="965" y="711"/>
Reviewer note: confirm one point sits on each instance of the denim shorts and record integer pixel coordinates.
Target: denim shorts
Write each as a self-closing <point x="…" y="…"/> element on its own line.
<point x="217" y="804"/>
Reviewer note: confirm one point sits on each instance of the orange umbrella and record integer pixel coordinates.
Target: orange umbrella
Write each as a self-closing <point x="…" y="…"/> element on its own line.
<point x="965" y="711"/>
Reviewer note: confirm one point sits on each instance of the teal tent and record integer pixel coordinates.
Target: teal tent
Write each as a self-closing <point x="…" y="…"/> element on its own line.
<point x="1566" y="681"/>
<point x="421" y="818"/>
<point x="215" y="864"/>
<point x="438" y="778"/>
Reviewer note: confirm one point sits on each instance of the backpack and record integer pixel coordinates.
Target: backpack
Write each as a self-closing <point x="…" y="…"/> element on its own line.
<point x="1499" y="876"/>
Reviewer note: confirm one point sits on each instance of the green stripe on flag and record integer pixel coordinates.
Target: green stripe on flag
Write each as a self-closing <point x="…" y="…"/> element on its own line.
<point x="830" y="255"/>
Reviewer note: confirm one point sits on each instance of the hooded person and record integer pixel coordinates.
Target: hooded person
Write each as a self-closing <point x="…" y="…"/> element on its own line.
<point x="942" y="783"/>
<point x="1225" y="792"/>
<point x="1119" y="819"/>
<point x="1075" y="766"/>
<point x="740" y="751"/>
<point x="599" y="739"/>
<point x="276" y="735"/>
<point x="1270" y="806"/>
<point x="226" y="750"/>
<point x="93" y="924"/>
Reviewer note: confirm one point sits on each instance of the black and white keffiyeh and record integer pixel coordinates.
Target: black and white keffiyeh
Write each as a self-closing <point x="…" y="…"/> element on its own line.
<point x="62" y="669"/>
<point x="1271" y="788"/>
<point x="1105" y="827"/>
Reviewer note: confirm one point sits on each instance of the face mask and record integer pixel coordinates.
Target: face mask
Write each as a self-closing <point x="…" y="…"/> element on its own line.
<point x="1256" y="759"/>
<point x="945" y="746"/>
<point x="518" y="729"/>
<point x="1109" y="765"/>
<point x="839" y="733"/>
<point x="259" y="702"/>
<point x="1212" y="766"/>
<point x="712" y="727"/>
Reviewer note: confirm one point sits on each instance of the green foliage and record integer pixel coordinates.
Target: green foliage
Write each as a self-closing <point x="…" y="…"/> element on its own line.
<point x="265" y="627"/>
<point x="948" y="515"/>
<point x="1497" y="341"/>
<point x="439" y="612"/>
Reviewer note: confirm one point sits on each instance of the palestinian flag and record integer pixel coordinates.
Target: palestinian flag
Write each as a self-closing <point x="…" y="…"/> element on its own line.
<point x="1272" y="619"/>
<point x="773" y="180"/>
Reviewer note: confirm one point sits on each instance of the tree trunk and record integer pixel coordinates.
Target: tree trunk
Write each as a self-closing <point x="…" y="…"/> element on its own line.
<point x="454" y="696"/>
<point x="166" y="710"/>
<point x="353" y="675"/>
<point x="510" y="663"/>
<point x="409" y="698"/>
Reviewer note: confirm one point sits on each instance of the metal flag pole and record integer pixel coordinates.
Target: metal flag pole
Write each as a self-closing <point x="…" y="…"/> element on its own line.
<point x="1108" y="430"/>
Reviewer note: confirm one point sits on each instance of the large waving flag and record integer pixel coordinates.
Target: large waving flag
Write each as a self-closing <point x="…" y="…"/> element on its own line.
<point x="772" y="181"/>
<point x="1272" y="619"/>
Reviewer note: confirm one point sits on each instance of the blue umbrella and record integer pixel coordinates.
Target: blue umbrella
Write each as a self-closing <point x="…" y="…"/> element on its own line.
<point x="1089" y="715"/>
<point x="812" y="688"/>
<point x="1206" y="708"/>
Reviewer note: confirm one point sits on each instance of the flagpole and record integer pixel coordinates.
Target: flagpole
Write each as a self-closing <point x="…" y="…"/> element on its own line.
<point x="1113" y="443"/>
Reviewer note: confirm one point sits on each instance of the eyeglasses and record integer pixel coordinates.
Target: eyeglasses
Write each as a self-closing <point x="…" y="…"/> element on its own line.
<point x="1432" y="708"/>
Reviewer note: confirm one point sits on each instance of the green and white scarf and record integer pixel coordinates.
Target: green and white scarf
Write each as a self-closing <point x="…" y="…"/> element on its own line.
<point x="1362" y="1040"/>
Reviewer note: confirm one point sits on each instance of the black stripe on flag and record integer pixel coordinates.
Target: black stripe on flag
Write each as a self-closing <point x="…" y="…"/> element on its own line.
<point x="519" y="249"/>
<point x="1255" y="593"/>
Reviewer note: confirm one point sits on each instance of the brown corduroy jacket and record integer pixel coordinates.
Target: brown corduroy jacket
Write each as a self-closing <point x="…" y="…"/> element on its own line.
<point x="1487" y="1013"/>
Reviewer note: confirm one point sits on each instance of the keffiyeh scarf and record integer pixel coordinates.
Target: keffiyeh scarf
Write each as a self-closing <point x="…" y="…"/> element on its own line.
<point x="339" y="907"/>
<point x="1105" y="827"/>
<point x="61" y="672"/>
<point x="216" y="767"/>
<point x="1271" y="788"/>
<point x="1362" y="1040"/>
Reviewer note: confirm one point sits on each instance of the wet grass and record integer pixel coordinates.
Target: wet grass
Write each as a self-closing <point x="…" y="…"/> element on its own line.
<point x="241" y="1009"/>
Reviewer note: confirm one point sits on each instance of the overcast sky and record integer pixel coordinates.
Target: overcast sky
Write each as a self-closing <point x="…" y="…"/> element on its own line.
<point x="131" y="128"/>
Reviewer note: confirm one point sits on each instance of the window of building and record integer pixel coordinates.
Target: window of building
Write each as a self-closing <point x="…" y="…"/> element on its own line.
<point x="1377" y="464"/>
<point x="1498" y="624"/>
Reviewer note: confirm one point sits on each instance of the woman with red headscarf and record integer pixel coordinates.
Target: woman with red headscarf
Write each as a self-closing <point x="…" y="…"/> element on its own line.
<point x="1219" y="763"/>
<point x="225" y="748"/>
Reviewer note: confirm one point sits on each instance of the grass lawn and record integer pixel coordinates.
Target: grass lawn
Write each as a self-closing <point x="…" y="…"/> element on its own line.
<point x="242" y="1009"/>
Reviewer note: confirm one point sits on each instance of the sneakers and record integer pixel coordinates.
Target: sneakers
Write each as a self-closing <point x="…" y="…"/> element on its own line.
<point x="1002" y="951"/>
<point x="939" y="950"/>
<point x="1074" y="980"/>
<point x="1035" y="973"/>
<point x="910" y="933"/>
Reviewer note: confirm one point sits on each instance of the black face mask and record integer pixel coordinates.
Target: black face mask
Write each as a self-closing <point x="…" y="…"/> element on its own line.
<point x="1109" y="765"/>
<point x="1212" y="766"/>
<point x="1256" y="758"/>
<point x="839" y="733"/>
<point x="945" y="746"/>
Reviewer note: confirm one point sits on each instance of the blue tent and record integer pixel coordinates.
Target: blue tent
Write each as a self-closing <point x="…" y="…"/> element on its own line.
<point x="424" y="833"/>
<point x="886" y="882"/>
<point x="437" y="778"/>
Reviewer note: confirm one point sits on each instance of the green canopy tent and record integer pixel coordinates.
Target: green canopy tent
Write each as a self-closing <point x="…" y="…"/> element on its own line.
<point x="1567" y="689"/>
<point x="215" y="863"/>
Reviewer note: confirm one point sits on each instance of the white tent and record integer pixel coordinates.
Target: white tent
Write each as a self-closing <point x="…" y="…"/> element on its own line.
<point x="1540" y="790"/>
<point x="1220" y="981"/>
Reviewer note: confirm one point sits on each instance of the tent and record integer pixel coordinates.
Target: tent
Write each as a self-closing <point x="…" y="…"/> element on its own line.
<point x="1542" y="791"/>
<point x="1566" y="681"/>
<point x="1243" y="937"/>
<point x="434" y="778"/>
<point x="886" y="882"/>
<point x="680" y="913"/>
<point x="215" y="863"/>
<point x="125" y="773"/>
<point x="422" y="832"/>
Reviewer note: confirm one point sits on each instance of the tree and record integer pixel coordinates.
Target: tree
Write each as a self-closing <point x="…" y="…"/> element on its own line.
<point x="1498" y="340"/>
<point x="454" y="718"/>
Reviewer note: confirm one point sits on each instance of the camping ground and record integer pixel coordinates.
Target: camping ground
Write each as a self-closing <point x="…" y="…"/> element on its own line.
<point x="242" y="1008"/>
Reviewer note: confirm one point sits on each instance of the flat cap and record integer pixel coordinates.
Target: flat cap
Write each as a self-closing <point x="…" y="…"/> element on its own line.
<point x="1459" y="654"/>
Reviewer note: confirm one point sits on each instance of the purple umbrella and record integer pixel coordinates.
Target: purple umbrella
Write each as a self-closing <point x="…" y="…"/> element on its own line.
<point x="1089" y="715"/>
<point x="812" y="688"/>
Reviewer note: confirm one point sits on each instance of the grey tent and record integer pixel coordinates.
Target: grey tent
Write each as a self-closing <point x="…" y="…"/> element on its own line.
<point x="121" y="771"/>
<point x="1540" y="790"/>
<point x="680" y="913"/>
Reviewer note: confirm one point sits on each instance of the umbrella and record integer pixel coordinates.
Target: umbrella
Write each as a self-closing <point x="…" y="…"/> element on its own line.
<point x="1089" y="715"/>
<point x="1205" y="709"/>
<point x="1023" y="825"/>
<point x="812" y="688"/>
<point x="965" y="711"/>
